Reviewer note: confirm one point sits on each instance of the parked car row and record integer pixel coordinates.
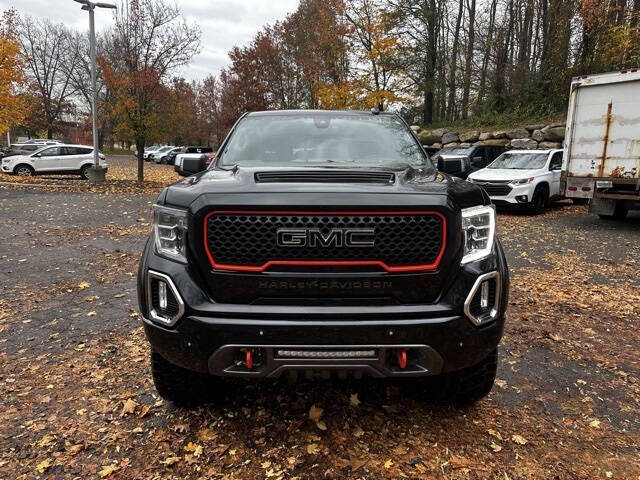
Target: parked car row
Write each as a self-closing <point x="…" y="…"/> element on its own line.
<point x="527" y="178"/>
<point x="56" y="158"/>
<point x="166" y="154"/>
<point x="27" y="147"/>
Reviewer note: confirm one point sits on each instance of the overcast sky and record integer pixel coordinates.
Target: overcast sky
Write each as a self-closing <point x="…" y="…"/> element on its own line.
<point x="224" y="23"/>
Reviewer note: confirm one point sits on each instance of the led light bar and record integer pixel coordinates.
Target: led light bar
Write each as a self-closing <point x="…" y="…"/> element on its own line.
<point x="326" y="353"/>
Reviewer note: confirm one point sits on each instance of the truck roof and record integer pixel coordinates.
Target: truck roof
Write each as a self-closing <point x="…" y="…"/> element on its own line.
<point x="609" y="77"/>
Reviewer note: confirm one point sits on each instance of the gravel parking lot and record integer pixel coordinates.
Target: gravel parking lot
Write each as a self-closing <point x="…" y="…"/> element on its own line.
<point x="78" y="400"/>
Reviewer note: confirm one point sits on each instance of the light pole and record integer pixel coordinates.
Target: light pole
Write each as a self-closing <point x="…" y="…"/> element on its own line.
<point x="96" y="173"/>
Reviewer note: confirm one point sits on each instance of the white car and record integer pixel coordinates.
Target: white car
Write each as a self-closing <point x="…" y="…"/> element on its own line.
<point x="53" y="159"/>
<point x="151" y="150"/>
<point x="161" y="154"/>
<point x="522" y="177"/>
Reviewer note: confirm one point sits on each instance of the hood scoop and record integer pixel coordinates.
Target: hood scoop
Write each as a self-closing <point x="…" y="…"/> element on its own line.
<point x="325" y="176"/>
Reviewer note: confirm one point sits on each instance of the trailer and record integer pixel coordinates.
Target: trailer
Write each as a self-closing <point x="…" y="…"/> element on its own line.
<point x="602" y="142"/>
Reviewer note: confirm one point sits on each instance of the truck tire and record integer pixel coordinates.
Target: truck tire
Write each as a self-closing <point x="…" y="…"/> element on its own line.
<point x="539" y="200"/>
<point x="183" y="387"/>
<point x="619" y="213"/>
<point x="466" y="386"/>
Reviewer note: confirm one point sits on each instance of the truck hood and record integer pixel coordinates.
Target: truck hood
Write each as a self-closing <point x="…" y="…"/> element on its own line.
<point x="424" y="181"/>
<point x="496" y="174"/>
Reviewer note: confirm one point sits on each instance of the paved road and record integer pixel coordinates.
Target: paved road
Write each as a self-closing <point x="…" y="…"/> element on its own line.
<point x="71" y="352"/>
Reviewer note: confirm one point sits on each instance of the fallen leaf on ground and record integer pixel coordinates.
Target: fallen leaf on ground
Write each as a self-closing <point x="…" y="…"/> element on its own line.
<point x="354" y="400"/>
<point x="206" y="435"/>
<point x="196" y="449"/>
<point x="315" y="413"/>
<point x="388" y="464"/>
<point x="170" y="460"/>
<point x="144" y="411"/>
<point x="519" y="439"/>
<point x="83" y="285"/>
<point x="595" y="423"/>
<point x="43" y="466"/>
<point x="128" y="406"/>
<point x="108" y="470"/>
<point x="313" y="449"/>
<point x="501" y="383"/>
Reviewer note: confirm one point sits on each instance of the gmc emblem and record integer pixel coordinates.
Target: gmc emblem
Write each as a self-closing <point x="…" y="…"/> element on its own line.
<point x="336" y="237"/>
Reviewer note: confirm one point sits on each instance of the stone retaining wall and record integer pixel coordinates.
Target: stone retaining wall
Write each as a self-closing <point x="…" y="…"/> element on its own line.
<point x="528" y="138"/>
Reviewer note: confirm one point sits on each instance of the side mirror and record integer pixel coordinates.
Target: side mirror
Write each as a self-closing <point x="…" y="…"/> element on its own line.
<point x="37" y="155"/>
<point x="555" y="168"/>
<point x="191" y="166"/>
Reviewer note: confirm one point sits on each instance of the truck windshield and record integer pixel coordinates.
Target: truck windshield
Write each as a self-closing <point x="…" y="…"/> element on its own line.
<point x="320" y="139"/>
<point x="520" y="161"/>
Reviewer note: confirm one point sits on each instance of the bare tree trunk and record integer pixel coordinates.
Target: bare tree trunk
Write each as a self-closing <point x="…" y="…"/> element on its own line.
<point x="454" y="58"/>
<point x="140" y="148"/>
<point x="487" y="51"/>
<point x="468" y="59"/>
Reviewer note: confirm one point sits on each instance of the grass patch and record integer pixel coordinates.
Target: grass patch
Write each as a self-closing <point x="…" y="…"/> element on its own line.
<point x="117" y="151"/>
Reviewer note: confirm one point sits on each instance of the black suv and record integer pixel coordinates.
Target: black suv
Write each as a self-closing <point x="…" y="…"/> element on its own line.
<point x="461" y="161"/>
<point x="323" y="242"/>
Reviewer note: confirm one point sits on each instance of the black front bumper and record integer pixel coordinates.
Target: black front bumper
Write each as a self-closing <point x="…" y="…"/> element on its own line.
<point x="436" y="338"/>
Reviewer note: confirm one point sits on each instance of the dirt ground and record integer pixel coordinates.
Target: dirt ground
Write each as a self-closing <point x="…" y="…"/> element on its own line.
<point x="77" y="400"/>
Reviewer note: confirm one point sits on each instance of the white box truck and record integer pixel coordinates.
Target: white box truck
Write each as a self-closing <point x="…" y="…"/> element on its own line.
<point x="602" y="142"/>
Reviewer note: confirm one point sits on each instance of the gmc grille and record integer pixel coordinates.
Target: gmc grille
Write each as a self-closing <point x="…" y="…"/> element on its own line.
<point x="247" y="241"/>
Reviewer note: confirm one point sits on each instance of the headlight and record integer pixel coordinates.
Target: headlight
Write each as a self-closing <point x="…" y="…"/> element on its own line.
<point x="478" y="228"/>
<point x="170" y="229"/>
<point x="523" y="181"/>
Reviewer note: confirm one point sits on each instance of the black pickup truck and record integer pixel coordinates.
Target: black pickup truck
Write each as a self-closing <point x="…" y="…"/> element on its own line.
<point x="322" y="242"/>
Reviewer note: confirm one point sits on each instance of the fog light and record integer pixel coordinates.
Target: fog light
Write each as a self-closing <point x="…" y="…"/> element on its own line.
<point x="164" y="302"/>
<point x="483" y="302"/>
<point x="162" y="295"/>
<point x="484" y="295"/>
<point x="522" y="198"/>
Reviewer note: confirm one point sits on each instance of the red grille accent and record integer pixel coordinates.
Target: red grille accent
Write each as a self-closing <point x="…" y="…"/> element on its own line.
<point x="431" y="266"/>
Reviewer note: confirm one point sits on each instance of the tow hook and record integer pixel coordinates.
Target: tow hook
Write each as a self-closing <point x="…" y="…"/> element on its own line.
<point x="401" y="354"/>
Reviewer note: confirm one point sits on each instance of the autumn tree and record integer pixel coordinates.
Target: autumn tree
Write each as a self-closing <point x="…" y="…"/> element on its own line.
<point x="209" y="102"/>
<point x="150" y="39"/>
<point x="12" y="81"/>
<point x="377" y="76"/>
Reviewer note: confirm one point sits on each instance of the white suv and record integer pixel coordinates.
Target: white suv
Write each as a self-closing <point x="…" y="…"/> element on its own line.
<point x="522" y="177"/>
<point x="53" y="159"/>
